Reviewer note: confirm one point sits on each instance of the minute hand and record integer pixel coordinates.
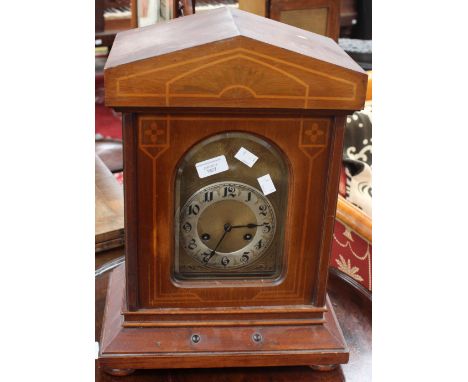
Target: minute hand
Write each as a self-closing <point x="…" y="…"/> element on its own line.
<point x="227" y="228"/>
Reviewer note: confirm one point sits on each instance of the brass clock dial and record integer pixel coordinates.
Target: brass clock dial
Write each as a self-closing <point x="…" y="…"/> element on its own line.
<point x="227" y="225"/>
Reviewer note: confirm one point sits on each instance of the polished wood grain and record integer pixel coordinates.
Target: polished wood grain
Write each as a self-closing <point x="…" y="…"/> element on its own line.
<point x="354" y="218"/>
<point x="230" y="63"/>
<point x="109" y="224"/>
<point x="353" y="310"/>
<point x="306" y="144"/>
<point x="156" y="142"/>
<point x="242" y="73"/>
<point x="152" y="347"/>
<point x="369" y="87"/>
<point x="130" y="139"/>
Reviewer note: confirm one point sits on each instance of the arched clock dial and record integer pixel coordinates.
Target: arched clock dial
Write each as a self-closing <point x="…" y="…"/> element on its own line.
<point x="227" y="225"/>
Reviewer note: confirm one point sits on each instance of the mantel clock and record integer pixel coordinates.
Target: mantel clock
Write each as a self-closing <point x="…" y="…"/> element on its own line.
<point x="233" y="128"/>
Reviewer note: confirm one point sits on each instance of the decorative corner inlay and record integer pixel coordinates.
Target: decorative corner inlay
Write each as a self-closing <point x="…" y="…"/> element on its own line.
<point x="314" y="134"/>
<point x="154" y="133"/>
<point x="154" y="136"/>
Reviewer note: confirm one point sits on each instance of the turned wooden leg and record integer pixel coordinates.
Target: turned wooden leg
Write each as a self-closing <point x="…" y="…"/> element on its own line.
<point x="323" y="367"/>
<point x="119" y="372"/>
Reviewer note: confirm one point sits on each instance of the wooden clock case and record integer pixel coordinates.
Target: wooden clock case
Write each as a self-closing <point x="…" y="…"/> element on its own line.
<point x="231" y="71"/>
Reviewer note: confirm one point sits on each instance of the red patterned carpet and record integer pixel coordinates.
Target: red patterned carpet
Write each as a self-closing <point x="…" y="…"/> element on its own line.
<point x="352" y="255"/>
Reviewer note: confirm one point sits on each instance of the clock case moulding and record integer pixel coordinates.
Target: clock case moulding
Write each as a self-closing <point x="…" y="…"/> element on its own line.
<point x="178" y="83"/>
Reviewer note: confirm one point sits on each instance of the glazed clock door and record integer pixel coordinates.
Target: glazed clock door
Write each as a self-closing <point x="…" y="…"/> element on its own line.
<point x="230" y="209"/>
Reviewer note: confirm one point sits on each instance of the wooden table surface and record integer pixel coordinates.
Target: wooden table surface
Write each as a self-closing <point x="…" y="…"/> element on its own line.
<point x="352" y="308"/>
<point x="109" y="220"/>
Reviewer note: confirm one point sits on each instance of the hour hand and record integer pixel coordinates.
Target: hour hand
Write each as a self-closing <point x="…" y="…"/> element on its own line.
<point x="250" y="225"/>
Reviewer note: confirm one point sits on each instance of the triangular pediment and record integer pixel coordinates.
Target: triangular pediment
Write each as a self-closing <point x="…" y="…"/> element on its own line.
<point x="231" y="58"/>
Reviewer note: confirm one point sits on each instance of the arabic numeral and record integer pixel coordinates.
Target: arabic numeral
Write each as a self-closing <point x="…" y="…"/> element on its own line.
<point x="206" y="257"/>
<point x="259" y="245"/>
<point x="263" y="210"/>
<point x="229" y="191"/>
<point x="225" y="261"/>
<point x="266" y="227"/>
<point x="193" y="209"/>
<point x="208" y="196"/>
<point x="187" y="227"/>
<point x="192" y="245"/>
<point x="244" y="258"/>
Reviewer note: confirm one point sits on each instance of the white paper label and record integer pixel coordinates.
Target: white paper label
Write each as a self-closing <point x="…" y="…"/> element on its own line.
<point x="266" y="184"/>
<point x="246" y="157"/>
<point x="212" y="166"/>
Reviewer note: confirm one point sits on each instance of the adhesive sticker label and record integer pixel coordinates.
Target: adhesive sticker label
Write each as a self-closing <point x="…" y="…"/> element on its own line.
<point x="212" y="166"/>
<point x="266" y="184"/>
<point x="246" y="157"/>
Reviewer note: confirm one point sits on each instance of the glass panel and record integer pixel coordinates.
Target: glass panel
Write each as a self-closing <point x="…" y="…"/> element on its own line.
<point x="225" y="225"/>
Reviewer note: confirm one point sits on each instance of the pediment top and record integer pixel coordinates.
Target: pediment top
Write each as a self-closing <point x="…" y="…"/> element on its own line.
<point x="223" y="24"/>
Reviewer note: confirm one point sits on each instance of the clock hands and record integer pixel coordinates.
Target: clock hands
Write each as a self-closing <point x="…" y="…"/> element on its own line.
<point x="250" y="225"/>
<point x="228" y="228"/>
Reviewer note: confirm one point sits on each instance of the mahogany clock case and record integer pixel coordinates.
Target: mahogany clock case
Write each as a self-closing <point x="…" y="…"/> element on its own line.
<point x="244" y="74"/>
<point x="237" y="322"/>
<point x="313" y="156"/>
<point x="241" y="343"/>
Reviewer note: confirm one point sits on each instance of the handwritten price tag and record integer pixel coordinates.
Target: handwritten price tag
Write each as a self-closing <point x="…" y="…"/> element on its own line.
<point x="212" y="166"/>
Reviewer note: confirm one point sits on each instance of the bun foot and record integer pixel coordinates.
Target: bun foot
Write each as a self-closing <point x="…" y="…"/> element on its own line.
<point x="323" y="367"/>
<point x="119" y="372"/>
